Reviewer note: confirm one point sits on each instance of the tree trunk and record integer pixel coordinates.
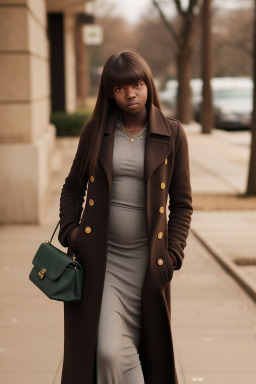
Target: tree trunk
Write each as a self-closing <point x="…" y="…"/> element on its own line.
<point x="185" y="41"/>
<point x="251" y="181"/>
<point x="184" y="104"/>
<point x="207" y="107"/>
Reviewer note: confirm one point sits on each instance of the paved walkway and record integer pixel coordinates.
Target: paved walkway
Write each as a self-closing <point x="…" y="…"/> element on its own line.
<point x="219" y="165"/>
<point x="218" y="161"/>
<point x="214" y="322"/>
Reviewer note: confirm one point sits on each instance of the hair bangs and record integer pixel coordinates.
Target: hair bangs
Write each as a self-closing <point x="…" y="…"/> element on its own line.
<point x="124" y="72"/>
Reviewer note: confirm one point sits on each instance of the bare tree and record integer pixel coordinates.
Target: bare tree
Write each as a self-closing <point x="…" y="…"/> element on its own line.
<point x="207" y="107"/>
<point x="184" y="37"/>
<point x="251" y="182"/>
<point x="152" y="36"/>
<point x="232" y="41"/>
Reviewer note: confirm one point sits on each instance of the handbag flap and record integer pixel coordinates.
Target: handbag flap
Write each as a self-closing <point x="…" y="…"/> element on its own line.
<point x="52" y="260"/>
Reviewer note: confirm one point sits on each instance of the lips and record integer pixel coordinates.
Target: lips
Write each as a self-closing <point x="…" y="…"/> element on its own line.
<point x="132" y="105"/>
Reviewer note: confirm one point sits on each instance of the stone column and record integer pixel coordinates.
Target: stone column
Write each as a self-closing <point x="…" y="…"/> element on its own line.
<point x="26" y="137"/>
<point x="70" y="61"/>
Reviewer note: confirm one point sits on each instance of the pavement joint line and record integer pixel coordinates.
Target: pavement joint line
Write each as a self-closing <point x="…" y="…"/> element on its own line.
<point x="241" y="278"/>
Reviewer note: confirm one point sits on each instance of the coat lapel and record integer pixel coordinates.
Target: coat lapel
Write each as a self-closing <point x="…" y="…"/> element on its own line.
<point x="157" y="147"/>
<point x="158" y="144"/>
<point x="106" y="153"/>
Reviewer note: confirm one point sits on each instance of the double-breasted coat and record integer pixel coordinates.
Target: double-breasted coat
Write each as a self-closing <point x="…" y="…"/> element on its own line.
<point x="166" y="174"/>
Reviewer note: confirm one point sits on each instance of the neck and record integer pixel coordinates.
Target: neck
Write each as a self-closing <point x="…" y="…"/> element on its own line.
<point x="134" y="122"/>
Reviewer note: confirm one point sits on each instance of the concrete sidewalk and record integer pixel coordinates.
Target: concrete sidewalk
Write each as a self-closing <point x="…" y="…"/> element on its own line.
<point x="219" y="165"/>
<point x="214" y="322"/>
<point x="219" y="161"/>
<point x="31" y="326"/>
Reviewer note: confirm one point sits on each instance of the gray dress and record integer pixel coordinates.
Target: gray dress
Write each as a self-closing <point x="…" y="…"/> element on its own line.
<point x="128" y="252"/>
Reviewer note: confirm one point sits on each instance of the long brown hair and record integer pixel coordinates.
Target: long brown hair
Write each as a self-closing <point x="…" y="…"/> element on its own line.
<point x="119" y="69"/>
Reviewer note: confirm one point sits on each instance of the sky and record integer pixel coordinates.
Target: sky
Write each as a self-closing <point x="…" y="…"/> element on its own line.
<point x="132" y="10"/>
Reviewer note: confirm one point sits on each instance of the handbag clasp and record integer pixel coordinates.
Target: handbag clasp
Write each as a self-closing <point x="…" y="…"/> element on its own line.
<point x="41" y="273"/>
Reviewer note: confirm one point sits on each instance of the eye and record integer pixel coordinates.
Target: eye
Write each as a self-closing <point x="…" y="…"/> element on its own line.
<point x="118" y="89"/>
<point x="137" y="85"/>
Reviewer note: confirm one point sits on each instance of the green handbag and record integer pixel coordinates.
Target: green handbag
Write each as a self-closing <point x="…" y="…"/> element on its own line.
<point x="57" y="274"/>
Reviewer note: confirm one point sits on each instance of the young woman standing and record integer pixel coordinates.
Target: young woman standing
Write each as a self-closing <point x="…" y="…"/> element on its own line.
<point x="130" y="158"/>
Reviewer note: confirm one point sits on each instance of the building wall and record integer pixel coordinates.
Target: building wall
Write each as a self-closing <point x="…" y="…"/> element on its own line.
<point x="26" y="137"/>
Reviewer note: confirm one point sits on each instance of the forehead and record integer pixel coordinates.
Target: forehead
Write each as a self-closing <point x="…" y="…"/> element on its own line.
<point x="124" y="74"/>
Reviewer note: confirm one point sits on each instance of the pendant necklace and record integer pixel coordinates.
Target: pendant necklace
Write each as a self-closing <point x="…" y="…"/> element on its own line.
<point x="131" y="138"/>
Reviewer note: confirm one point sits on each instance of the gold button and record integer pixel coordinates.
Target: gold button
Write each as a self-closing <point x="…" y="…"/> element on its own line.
<point x="161" y="210"/>
<point x="162" y="185"/>
<point x="160" y="261"/>
<point x="91" y="179"/>
<point x="88" y="229"/>
<point x="160" y="235"/>
<point x="91" y="202"/>
<point x="166" y="161"/>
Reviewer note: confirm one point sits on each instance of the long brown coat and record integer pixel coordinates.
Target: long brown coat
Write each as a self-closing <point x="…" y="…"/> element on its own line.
<point x="166" y="172"/>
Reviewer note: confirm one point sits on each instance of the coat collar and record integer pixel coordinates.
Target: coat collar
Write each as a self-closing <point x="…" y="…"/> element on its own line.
<point x="157" y="123"/>
<point x="158" y="143"/>
<point x="157" y="147"/>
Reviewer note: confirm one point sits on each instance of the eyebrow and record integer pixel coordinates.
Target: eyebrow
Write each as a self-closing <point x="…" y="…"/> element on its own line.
<point x="134" y="82"/>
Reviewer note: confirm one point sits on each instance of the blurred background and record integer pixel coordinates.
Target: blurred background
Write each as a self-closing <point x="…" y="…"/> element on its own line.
<point x="203" y="58"/>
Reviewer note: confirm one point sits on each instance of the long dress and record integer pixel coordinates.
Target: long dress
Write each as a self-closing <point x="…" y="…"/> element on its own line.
<point x="117" y="357"/>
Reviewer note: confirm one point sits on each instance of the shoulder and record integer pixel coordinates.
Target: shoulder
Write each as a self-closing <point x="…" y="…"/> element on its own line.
<point x="168" y="126"/>
<point x="176" y="128"/>
<point x="174" y="125"/>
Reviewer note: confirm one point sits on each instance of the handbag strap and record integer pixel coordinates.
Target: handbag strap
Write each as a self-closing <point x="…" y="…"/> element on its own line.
<point x="50" y="241"/>
<point x="54" y="231"/>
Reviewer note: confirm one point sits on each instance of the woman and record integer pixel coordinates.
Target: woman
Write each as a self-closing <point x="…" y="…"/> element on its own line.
<point x="130" y="157"/>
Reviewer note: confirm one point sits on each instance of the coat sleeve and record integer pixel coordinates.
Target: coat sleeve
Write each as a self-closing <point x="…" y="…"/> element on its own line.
<point x="72" y="194"/>
<point x="180" y="201"/>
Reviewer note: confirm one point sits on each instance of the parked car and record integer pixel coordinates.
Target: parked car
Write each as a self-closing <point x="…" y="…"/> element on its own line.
<point x="233" y="102"/>
<point x="168" y="96"/>
<point x="196" y="89"/>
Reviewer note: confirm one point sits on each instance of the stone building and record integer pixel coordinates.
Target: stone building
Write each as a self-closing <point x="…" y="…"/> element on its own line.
<point x="38" y="73"/>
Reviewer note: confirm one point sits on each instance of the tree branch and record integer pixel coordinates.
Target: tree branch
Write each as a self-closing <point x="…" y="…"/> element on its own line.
<point x="239" y="45"/>
<point x="179" y="8"/>
<point x="192" y="4"/>
<point x="167" y="23"/>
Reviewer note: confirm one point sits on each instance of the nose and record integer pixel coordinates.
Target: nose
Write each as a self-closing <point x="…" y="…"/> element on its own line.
<point x="130" y="93"/>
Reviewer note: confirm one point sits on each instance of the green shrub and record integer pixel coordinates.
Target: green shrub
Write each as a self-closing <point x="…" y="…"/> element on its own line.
<point x="69" y="124"/>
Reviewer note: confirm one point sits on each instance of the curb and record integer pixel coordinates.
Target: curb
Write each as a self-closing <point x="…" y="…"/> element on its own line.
<point x="240" y="276"/>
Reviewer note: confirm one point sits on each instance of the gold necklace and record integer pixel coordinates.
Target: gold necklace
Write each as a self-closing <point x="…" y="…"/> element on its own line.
<point x="132" y="137"/>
